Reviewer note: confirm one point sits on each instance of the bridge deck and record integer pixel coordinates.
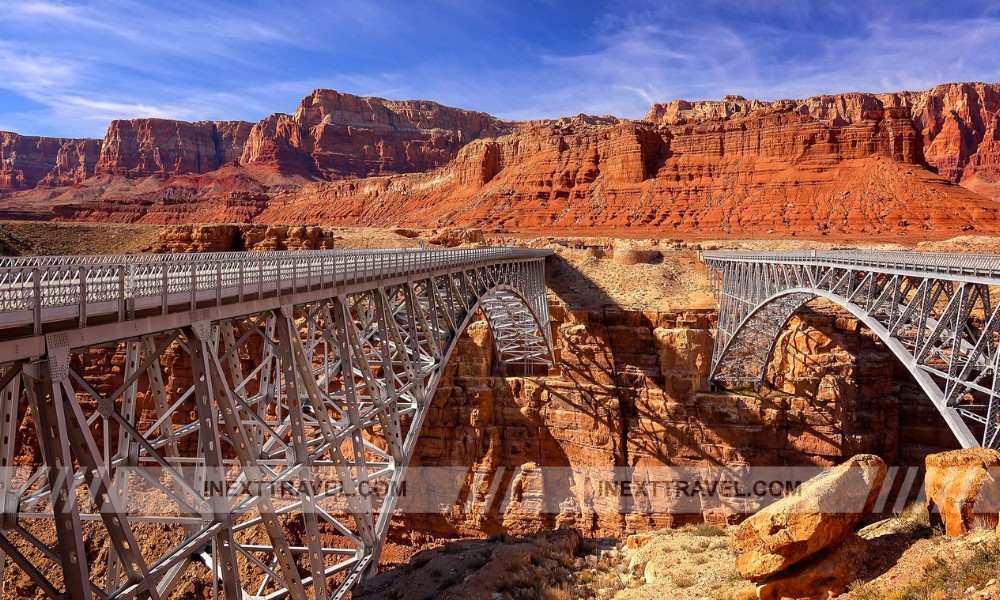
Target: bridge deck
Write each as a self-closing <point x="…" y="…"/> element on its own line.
<point x="40" y="295"/>
<point x="972" y="268"/>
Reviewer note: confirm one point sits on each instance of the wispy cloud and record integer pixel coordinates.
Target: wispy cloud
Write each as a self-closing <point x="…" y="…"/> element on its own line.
<point x="69" y="67"/>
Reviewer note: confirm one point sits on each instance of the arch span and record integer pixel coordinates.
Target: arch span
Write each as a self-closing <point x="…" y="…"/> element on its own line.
<point x="741" y="359"/>
<point x="935" y="312"/>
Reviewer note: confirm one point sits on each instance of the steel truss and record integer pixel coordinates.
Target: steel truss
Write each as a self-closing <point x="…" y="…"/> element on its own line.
<point x="243" y="442"/>
<point x="935" y="312"/>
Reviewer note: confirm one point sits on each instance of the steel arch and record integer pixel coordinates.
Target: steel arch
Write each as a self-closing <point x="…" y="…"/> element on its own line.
<point x="304" y="393"/>
<point x="935" y="312"/>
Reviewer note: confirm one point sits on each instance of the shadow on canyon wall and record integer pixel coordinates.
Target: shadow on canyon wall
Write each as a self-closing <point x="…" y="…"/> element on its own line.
<point x="632" y="391"/>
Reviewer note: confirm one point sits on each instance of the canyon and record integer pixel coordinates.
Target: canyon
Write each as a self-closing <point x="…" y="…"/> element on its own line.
<point x="920" y="164"/>
<point x="632" y="306"/>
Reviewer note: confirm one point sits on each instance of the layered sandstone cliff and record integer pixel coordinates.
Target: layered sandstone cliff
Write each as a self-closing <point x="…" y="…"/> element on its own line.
<point x="769" y="173"/>
<point x="957" y="122"/>
<point x="161" y="147"/>
<point x="840" y="166"/>
<point x="336" y="135"/>
<point x="633" y="392"/>
<point x="27" y="162"/>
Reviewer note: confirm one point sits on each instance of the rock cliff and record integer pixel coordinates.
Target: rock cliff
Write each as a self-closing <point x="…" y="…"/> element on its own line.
<point x="335" y="135"/>
<point x="160" y="147"/>
<point x="633" y="392"/>
<point x="840" y="166"/>
<point x="27" y="162"/>
<point x="957" y="121"/>
<point x="774" y="173"/>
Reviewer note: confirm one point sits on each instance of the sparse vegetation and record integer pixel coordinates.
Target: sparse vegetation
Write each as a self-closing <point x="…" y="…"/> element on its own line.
<point x="709" y="530"/>
<point x="914" y="517"/>
<point x="940" y="578"/>
<point x="555" y="593"/>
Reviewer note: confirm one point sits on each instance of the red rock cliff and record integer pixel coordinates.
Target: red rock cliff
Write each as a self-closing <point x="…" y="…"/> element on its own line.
<point x="770" y="171"/>
<point x="31" y="161"/>
<point x="337" y="135"/>
<point x="162" y="147"/>
<point x="957" y="122"/>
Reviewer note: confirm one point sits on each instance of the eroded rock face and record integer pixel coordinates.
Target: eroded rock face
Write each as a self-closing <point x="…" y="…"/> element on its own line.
<point x="336" y="135"/>
<point x="821" y="513"/>
<point x="161" y="147"/>
<point x="27" y="162"/>
<point x="251" y="238"/>
<point x="963" y="486"/>
<point x="633" y="390"/>
<point x="838" y="166"/>
<point x="767" y="172"/>
<point x="957" y="121"/>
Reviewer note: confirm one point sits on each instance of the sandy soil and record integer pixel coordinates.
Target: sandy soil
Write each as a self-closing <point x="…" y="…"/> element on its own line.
<point x="23" y="238"/>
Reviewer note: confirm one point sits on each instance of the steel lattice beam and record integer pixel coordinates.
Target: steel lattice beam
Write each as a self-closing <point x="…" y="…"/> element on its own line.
<point x="259" y="399"/>
<point x="934" y="311"/>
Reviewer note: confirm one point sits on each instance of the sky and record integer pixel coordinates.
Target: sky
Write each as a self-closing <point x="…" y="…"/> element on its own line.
<point x="67" y="68"/>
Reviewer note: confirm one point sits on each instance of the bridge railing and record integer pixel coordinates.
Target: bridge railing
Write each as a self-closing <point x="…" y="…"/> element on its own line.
<point x="985" y="265"/>
<point x="37" y="290"/>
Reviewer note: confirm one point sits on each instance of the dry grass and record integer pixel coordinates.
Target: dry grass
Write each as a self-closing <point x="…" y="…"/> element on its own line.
<point x="940" y="578"/>
<point x="914" y="517"/>
<point x="555" y="593"/>
<point x="709" y="530"/>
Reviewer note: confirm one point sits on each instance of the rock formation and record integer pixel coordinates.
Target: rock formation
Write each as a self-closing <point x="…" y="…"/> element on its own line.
<point x="336" y="135"/>
<point x="957" y="121"/>
<point x="821" y="514"/>
<point x="160" y="147"/>
<point x="962" y="485"/>
<point x="838" y="166"/>
<point x="27" y="162"/>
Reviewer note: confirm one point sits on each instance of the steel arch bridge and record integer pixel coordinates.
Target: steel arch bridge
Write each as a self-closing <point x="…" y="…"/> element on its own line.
<point x="206" y="402"/>
<point x="938" y="313"/>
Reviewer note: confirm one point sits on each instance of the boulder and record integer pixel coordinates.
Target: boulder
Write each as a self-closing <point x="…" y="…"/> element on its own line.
<point x="451" y="238"/>
<point x="962" y="484"/>
<point x="819" y="514"/>
<point x="827" y="573"/>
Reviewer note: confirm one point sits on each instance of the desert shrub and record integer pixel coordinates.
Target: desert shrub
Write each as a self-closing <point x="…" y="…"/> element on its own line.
<point x="914" y="517"/>
<point x="708" y="530"/>
<point x="980" y="567"/>
<point x="555" y="593"/>
<point x="983" y="523"/>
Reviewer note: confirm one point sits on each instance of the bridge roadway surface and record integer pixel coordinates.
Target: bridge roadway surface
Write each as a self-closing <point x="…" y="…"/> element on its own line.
<point x="243" y="405"/>
<point x="936" y="312"/>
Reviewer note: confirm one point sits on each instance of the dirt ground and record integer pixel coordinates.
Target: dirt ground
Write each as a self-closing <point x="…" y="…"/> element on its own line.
<point x="28" y="238"/>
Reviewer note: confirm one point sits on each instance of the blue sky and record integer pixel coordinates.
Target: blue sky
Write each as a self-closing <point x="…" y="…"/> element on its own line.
<point x="67" y="68"/>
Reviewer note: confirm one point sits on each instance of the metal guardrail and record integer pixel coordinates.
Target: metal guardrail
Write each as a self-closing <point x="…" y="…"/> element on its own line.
<point x="983" y="265"/>
<point x="39" y="290"/>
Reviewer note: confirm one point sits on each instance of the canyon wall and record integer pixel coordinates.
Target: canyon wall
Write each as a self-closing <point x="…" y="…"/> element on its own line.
<point x="839" y="166"/>
<point x="633" y="392"/>
<point x="774" y="173"/>
<point x="139" y="148"/>
<point x="27" y="161"/>
<point x="958" y="122"/>
<point x="336" y="135"/>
